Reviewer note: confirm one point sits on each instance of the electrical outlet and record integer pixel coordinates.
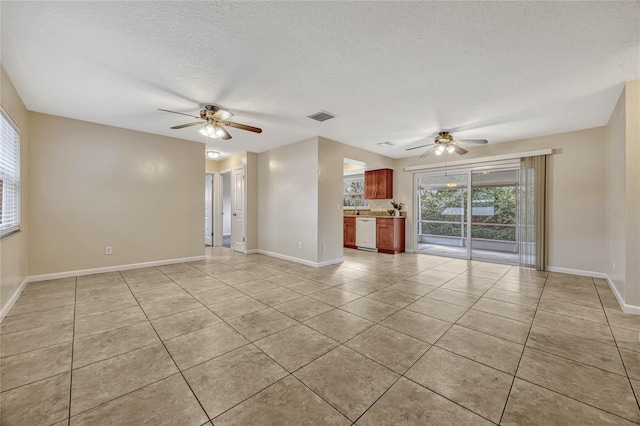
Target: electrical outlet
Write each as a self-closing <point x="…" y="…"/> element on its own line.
<point x="108" y="250"/>
<point x="299" y="244"/>
<point x="324" y="247"/>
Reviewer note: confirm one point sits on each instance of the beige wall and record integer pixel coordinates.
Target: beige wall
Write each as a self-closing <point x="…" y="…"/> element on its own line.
<point x="211" y="166"/>
<point x="94" y="186"/>
<point x="615" y="195"/>
<point x="14" y="251"/>
<point x="252" y="186"/>
<point x="331" y="155"/>
<point x="576" y="194"/>
<point x="632" y="192"/>
<point x="288" y="200"/>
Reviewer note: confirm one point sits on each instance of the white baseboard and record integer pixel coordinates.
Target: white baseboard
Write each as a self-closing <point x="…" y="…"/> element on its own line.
<point x="577" y="272"/>
<point x="253" y="251"/>
<point x="627" y="309"/>
<point x="12" y="300"/>
<point x="302" y="261"/>
<point x="115" y="268"/>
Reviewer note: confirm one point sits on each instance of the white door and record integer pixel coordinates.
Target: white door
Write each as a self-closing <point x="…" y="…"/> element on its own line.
<point x="208" y="210"/>
<point x="238" y="208"/>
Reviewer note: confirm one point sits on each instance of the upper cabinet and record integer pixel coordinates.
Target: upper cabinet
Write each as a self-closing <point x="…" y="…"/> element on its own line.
<point x="378" y="184"/>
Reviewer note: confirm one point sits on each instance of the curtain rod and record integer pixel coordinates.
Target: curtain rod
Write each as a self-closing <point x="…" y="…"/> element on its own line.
<point x="513" y="156"/>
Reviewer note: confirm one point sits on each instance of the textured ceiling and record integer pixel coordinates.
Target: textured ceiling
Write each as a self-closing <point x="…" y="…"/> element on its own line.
<point x="392" y="71"/>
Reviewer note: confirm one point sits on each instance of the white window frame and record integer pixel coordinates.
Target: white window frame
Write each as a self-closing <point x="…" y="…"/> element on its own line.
<point x="9" y="175"/>
<point x="365" y="206"/>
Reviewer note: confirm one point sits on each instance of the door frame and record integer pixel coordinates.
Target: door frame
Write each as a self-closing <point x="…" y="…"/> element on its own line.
<point x="233" y="208"/>
<point x="213" y="210"/>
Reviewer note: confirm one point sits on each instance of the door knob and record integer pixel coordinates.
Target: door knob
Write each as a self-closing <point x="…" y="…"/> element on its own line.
<point x="235" y="214"/>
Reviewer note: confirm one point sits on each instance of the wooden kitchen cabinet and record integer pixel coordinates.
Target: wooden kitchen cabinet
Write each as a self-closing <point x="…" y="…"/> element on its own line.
<point x="390" y="235"/>
<point x="378" y="184"/>
<point x="349" y="232"/>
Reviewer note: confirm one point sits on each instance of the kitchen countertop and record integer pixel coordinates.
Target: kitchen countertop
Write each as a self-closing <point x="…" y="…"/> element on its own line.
<point x="375" y="216"/>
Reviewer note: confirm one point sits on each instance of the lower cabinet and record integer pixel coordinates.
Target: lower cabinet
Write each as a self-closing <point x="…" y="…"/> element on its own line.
<point x="390" y="235"/>
<point x="349" y="232"/>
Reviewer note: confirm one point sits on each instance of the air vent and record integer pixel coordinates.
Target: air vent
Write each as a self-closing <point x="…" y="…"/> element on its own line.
<point x="321" y="116"/>
<point x="385" y="144"/>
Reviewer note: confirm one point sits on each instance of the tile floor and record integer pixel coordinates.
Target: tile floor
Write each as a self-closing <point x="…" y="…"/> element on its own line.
<point x="378" y="340"/>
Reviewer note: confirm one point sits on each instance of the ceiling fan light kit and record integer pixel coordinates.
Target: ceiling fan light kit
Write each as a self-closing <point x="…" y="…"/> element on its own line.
<point x="213" y="154"/>
<point x="445" y="142"/>
<point x="215" y="119"/>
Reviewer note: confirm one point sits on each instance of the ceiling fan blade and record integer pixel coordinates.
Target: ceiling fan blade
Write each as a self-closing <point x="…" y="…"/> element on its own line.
<point x="226" y="136"/>
<point x="427" y="152"/>
<point x="181" y="113"/>
<point x="421" y="146"/>
<point x="460" y="150"/>
<point x="222" y="114"/>
<point x="478" y="141"/>
<point x="242" y="127"/>
<point x="186" y="125"/>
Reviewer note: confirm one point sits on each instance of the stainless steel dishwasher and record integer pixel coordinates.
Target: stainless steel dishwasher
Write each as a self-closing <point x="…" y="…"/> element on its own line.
<point x="366" y="233"/>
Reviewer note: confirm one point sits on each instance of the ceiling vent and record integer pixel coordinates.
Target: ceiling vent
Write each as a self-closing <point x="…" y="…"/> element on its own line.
<point x="321" y="116"/>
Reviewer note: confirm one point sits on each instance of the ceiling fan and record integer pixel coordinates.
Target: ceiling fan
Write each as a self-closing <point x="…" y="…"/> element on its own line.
<point x="445" y="142"/>
<point x="213" y="119"/>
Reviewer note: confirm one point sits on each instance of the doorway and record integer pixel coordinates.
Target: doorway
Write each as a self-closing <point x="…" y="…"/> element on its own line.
<point x="208" y="209"/>
<point x="469" y="214"/>
<point x="226" y="208"/>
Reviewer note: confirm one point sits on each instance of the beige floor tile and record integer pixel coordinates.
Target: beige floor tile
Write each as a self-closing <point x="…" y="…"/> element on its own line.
<point x="25" y="306"/>
<point x="576" y="348"/>
<point x="437" y="309"/>
<point x="347" y="380"/>
<point x="339" y="325"/>
<point x="218" y="295"/>
<point x="103" y="381"/>
<point x="477" y="387"/>
<point x="14" y="323"/>
<point x="98" y="347"/>
<point x="36" y="338"/>
<point x="394" y="297"/>
<point x="581" y="328"/>
<point x="572" y="310"/>
<point x="228" y="380"/>
<point x="105" y="277"/>
<point x="363" y="288"/>
<point x="532" y="405"/>
<point x="202" y="345"/>
<point x="200" y="285"/>
<point x="257" y="325"/>
<point x="412" y="288"/>
<point x="286" y="403"/>
<point x="51" y="285"/>
<point x="307" y="287"/>
<point x="572" y="294"/>
<point x="409" y="404"/>
<point x="184" y="322"/>
<point x="303" y="308"/>
<point x="622" y="320"/>
<point x="631" y="363"/>
<point x="507" y="310"/>
<point x="94" y="324"/>
<point x="627" y="339"/>
<point x="234" y="308"/>
<point x="512" y="297"/>
<point x="494" y="325"/>
<point x="489" y="350"/>
<point x="84" y="295"/>
<point x="42" y="402"/>
<point x="276" y="296"/>
<point x="453" y="297"/>
<point x="434" y="277"/>
<point x="105" y="304"/>
<point x="160" y="294"/>
<point x="335" y="297"/>
<point x="370" y="309"/>
<point x="296" y="346"/>
<point x="169" y="401"/>
<point x="146" y="286"/>
<point x="417" y="325"/>
<point x="390" y="348"/>
<point x="255" y="286"/>
<point x="29" y="367"/>
<point x="587" y="384"/>
<point x="171" y="306"/>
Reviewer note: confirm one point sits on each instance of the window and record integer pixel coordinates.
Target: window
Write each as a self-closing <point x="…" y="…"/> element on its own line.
<point x="354" y="192"/>
<point x="9" y="175"/>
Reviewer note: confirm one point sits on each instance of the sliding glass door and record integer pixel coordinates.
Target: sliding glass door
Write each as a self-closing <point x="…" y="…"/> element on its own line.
<point x="470" y="214"/>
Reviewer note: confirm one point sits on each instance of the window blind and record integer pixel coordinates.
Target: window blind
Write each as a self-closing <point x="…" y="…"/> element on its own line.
<point x="9" y="175"/>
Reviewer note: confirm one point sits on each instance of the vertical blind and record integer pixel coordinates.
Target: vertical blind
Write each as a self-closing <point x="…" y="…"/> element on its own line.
<point x="532" y="212"/>
<point x="9" y="175"/>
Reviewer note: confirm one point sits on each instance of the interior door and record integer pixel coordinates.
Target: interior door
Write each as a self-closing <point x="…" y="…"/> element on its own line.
<point x="208" y="210"/>
<point x="238" y="209"/>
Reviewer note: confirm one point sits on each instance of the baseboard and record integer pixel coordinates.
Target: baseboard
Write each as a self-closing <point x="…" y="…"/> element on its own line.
<point x="408" y="250"/>
<point x="115" y="268"/>
<point x="627" y="309"/>
<point x="577" y="272"/>
<point x="12" y="300"/>
<point x="252" y="251"/>
<point x="302" y="261"/>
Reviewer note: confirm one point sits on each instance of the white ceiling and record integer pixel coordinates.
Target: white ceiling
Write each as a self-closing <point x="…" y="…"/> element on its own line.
<point x="390" y="71"/>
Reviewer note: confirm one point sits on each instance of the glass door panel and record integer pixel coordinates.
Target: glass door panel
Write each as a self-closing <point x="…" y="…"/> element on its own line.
<point x="494" y="216"/>
<point x="442" y="214"/>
